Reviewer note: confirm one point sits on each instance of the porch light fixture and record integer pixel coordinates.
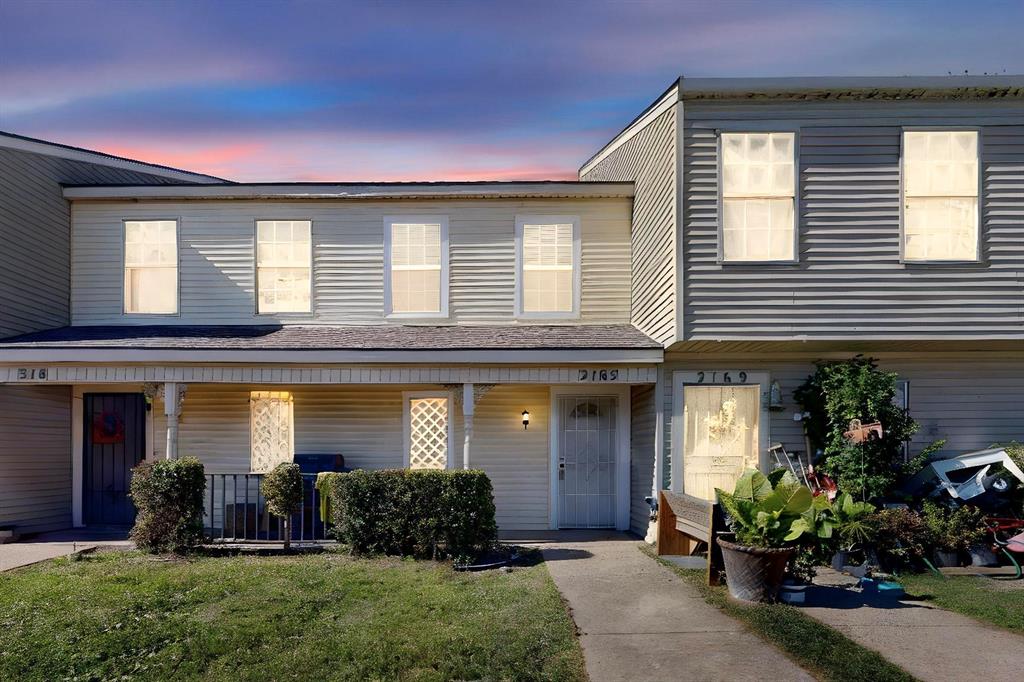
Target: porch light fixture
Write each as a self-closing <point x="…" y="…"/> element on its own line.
<point x="526" y="419"/>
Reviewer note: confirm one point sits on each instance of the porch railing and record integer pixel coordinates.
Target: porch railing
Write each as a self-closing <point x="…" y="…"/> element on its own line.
<point x="236" y="511"/>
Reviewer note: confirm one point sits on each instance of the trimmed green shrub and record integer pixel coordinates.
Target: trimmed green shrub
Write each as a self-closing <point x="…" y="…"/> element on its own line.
<point x="953" y="530"/>
<point x="168" y="495"/>
<point x="282" y="486"/>
<point x="901" y="538"/>
<point x="424" y="514"/>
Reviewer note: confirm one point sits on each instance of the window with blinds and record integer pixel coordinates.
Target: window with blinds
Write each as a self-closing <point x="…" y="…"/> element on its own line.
<point x="151" y="266"/>
<point x="758" y="197"/>
<point x="548" y="267"/>
<point x="417" y="264"/>
<point x="271" y="429"/>
<point x="940" y="195"/>
<point x="283" y="270"/>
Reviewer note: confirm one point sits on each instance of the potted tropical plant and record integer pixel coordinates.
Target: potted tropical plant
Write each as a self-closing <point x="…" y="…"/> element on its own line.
<point x="763" y="512"/>
<point x="854" y="525"/>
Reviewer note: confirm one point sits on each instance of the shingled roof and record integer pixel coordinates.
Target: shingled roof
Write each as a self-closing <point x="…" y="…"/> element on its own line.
<point x="375" y="338"/>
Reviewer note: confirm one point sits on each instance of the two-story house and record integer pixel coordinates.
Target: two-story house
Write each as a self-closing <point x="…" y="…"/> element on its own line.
<point x="779" y="221"/>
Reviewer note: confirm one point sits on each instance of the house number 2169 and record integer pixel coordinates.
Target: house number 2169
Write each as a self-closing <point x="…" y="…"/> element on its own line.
<point x="724" y="377"/>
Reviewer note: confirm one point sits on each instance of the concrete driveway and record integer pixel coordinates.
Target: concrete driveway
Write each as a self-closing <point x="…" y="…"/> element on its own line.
<point x="639" y="621"/>
<point x="61" y="543"/>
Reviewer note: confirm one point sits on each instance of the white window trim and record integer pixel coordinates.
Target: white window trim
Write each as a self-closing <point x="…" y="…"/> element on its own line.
<point x="903" y="199"/>
<point x="445" y="274"/>
<point x="577" y="266"/>
<point x="177" y="267"/>
<point x="622" y="447"/>
<point x="407" y="397"/>
<point x="714" y="376"/>
<point x="797" y="204"/>
<point x="299" y="314"/>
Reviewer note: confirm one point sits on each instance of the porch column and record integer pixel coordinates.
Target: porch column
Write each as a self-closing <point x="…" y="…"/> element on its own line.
<point x="467" y="421"/>
<point x="174" y="396"/>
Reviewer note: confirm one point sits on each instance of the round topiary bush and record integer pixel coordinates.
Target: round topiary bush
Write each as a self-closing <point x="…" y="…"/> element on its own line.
<point x="282" y="487"/>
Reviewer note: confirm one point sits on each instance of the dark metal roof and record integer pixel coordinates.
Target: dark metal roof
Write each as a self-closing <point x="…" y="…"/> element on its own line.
<point x="375" y="337"/>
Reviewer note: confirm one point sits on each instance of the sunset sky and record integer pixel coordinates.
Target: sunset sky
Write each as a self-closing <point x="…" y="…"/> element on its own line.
<point x="309" y="90"/>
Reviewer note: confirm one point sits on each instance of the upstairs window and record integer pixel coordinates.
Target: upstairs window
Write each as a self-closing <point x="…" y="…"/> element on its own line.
<point x="940" y="195"/>
<point x="549" y="266"/>
<point x="151" y="267"/>
<point x="283" y="256"/>
<point x="417" y="265"/>
<point x="758" y="197"/>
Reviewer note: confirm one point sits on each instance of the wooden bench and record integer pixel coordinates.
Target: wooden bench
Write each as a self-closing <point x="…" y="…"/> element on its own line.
<point x="687" y="525"/>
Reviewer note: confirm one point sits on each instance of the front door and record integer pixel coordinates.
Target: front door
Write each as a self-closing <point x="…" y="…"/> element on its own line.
<point x="721" y="433"/>
<point x="586" y="461"/>
<point x="114" y="442"/>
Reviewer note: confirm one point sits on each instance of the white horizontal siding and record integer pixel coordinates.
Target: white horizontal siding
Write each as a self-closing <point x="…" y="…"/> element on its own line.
<point x="216" y="272"/>
<point x="649" y="160"/>
<point x="849" y="282"/>
<point x="35" y="457"/>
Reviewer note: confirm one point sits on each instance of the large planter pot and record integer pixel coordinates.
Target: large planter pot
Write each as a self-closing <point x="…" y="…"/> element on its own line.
<point x="982" y="556"/>
<point x="754" y="573"/>
<point x="945" y="559"/>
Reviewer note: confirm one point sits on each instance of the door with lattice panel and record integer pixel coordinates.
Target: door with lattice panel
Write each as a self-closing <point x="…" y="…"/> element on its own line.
<point x="721" y="436"/>
<point x="427" y="430"/>
<point x="271" y="429"/>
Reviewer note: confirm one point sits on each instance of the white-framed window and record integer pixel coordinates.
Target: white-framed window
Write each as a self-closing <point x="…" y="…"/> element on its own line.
<point x="428" y="429"/>
<point x="416" y="266"/>
<point x="548" y="266"/>
<point x="758" y="197"/>
<point x="940" y="195"/>
<point x="271" y="429"/>
<point x="283" y="266"/>
<point x="151" y="267"/>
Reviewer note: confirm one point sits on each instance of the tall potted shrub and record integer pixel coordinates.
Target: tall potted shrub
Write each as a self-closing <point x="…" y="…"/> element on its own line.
<point x="282" y="487"/>
<point x="767" y="515"/>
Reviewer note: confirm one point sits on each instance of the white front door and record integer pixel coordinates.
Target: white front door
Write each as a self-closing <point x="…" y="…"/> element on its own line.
<point x="588" y="437"/>
<point x="721" y="436"/>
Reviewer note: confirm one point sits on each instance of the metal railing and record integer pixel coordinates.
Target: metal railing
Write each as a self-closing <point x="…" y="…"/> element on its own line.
<point x="235" y="510"/>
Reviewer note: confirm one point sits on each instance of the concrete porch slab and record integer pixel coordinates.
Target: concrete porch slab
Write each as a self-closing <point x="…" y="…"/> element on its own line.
<point x="47" y="546"/>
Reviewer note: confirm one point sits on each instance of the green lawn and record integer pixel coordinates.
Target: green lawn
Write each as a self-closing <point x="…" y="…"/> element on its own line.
<point x="994" y="601"/>
<point x="318" y="617"/>
<point x="822" y="651"/>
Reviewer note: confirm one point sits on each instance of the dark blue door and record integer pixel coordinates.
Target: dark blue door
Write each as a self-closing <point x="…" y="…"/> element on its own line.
<point x="115" y="441"/>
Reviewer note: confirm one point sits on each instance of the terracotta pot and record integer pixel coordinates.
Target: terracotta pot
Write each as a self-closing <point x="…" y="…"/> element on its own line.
<point x="754" y="573"/>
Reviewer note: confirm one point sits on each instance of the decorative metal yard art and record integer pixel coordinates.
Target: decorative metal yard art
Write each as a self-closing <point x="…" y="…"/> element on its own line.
<point x="860" y="433"/>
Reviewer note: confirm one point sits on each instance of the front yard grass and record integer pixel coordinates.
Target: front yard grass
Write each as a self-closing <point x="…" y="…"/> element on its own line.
<point x="820" y="650"/>
<point x="321" y="617"/>
<point x="997" y="602"/>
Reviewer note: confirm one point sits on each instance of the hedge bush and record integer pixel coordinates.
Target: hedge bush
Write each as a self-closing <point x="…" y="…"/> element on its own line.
<point x="424" y="514"/>
<point x="168" y="495"/>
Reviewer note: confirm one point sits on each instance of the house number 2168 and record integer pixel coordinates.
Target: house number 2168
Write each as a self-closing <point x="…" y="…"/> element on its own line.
<point x="598" y="375"/>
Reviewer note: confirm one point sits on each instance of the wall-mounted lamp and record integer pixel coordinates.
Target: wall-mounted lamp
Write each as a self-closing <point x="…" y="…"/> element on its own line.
<point x="526" y="419"/>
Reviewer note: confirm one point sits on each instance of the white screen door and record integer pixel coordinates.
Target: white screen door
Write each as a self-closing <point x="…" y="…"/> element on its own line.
<point x="586" y="453"/>
<point x="720" y="436"/>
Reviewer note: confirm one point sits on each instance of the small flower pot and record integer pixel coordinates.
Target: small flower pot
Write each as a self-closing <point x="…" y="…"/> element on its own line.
<point x="754" y="573"/>
<point x="945" y="559"/>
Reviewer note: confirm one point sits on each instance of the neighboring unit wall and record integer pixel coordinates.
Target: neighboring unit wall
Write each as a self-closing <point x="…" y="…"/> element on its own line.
<point x="35" y="458"/>
<point x="972" y="400"/>
<point x="641" y="461"/>
<point x="364" y="423"/>
<point x="34" y="231"/>
<point x="649" y="160"/>
<point x="849" y="282"/>
<point x="216" y="267"/>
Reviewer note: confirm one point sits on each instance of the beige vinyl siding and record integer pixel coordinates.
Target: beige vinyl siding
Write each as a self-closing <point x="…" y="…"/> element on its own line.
<point x="364" y="423"/>
<point x="35" y="235"/>
<point x="849" y="282"/>
<point x="35" y="457"/>
<point x="217" y="269"/>
<point x="641" y="460"/>
<point x="649" y="160"/>
<point x="971" y="400"/>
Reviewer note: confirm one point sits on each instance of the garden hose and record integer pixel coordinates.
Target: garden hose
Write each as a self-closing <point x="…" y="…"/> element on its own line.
<point x="1013" y="561"/>
<point x="933" y="569"/>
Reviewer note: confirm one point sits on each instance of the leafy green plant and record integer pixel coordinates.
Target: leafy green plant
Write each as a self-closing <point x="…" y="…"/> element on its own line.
<point x="953" y="530"/>
<point x="854" y="521"/>
<point x="764" y="510"/>
<point x="168" y="495"/>
<point x="839" y="392"/>
<point x="901" y="537"/>
<point x="282" y="486"/>
<point x="426" y="514"/>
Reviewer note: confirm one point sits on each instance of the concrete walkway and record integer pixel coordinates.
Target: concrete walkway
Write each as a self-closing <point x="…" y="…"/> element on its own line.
<point x="52" y="545"/>
<point x="930" y="643"/>
<point x="639" y="621"/>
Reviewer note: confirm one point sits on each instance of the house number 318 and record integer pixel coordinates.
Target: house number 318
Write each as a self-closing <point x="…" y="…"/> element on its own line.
<point x="28" y="374"/>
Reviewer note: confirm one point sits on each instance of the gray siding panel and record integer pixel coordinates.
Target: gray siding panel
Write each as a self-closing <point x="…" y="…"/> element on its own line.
<point x="216" y="262"/>
<point x="641" y="459"/>
<point x="849" y="282"/>
<point x="35" y="457"/>
<point x="35" y="260"/>
<point x="649" y="160"/>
